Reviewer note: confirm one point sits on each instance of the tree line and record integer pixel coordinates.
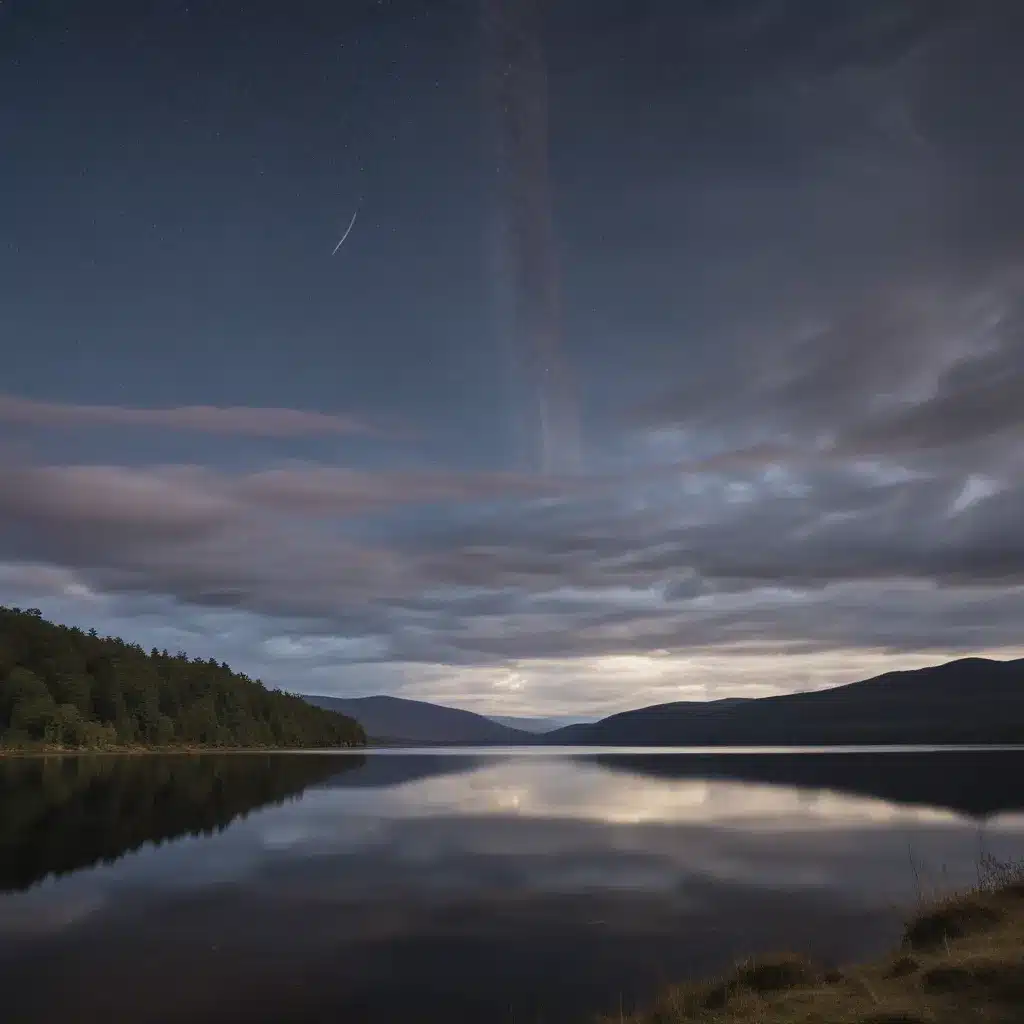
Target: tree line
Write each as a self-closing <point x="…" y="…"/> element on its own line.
<point x="61" y="686"/>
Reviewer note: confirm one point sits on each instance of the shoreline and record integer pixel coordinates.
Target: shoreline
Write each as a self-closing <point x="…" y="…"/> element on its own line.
<point x="164" y="751"/>
<point x="962" y="956"/>
<point x="470" y="748"/>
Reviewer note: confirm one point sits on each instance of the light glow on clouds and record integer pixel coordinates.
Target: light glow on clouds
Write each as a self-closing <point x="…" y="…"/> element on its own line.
<point x="594" y="685"/>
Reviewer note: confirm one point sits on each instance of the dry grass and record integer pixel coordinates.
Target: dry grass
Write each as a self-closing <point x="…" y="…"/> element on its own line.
<point x="962" y="959"/>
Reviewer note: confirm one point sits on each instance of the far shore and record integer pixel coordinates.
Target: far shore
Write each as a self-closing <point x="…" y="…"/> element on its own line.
<point x="44" y="750"/>
<point x="49" y="751"/>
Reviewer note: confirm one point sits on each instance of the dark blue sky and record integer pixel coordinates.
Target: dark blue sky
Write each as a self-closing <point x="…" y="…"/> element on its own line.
<point x="774" y="246"/>
<point x="182" y="173"/>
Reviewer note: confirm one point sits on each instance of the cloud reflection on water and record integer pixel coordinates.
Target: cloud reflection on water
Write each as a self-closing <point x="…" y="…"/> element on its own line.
<point x="511" y="864"/>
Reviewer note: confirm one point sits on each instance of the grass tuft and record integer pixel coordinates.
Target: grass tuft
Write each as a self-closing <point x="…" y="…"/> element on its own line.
<point x="777" y="974"/>
<point x="1014" y="891"/>
<point x="952" y="919"/>
<point x="774" y="974"/>
<point x="903" y="966"/>
<point x="987" y="977"/>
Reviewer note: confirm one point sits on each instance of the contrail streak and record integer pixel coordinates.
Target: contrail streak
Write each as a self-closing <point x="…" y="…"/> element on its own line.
<point x="348" y="230"/>
<point x="527" y="275"/>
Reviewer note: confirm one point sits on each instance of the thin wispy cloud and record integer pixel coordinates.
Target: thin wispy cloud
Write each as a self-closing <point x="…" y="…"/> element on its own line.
<point x="240" y="421"/>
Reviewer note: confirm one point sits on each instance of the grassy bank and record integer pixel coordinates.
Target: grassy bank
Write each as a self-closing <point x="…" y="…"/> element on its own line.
<point x="961" y="959"/>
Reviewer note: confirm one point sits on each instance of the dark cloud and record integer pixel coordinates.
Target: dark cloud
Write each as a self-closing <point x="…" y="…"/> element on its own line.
<point x="770" y="568"/>
<point x="978" y="401"/>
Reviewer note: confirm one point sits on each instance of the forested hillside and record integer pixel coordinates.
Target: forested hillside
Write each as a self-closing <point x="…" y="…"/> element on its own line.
<point x="61" y="686"/>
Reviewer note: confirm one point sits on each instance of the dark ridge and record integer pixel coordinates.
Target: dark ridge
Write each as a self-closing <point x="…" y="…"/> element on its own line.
<point x="970" y="701"/>
<point x="398" y="720"/>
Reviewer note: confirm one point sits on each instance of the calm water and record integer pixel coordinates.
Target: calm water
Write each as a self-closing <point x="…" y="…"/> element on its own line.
<point x="462" y="886"/>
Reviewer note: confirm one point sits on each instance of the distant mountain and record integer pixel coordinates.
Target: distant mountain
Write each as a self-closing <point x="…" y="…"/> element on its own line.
<point x="397" y="720"/>
<point x="973" y="700"/>
<point x="537" y="725"/>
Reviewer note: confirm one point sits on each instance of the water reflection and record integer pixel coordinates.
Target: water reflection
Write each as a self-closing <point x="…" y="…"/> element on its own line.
<point x="457" y="887"/>
<point x="61" y="814"/>
<point x="969" y="782"/>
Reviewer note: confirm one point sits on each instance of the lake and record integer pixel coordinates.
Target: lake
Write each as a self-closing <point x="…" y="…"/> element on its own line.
<point x="458" y="885"/>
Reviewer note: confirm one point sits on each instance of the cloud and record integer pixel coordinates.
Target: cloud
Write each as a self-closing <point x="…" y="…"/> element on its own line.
<point x="846" y="563"/>
<point x="230" y="420"/>
<point x="196" y="497"/>
<point x="977" y="401"/>
<point x="803" y="357"/>
<point x="331" y="490"/>
<point x="884" y="319"/>
<point x="285" y="541"/>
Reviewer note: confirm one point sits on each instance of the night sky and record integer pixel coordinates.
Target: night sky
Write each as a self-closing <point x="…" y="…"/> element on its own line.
<point x="771" y="253"/>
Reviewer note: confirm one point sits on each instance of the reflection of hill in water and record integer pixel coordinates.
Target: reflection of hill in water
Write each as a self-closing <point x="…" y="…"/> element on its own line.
<point x="979" y="784"/>
<point x="62" y="814"/>
<point x="383" y="771"/>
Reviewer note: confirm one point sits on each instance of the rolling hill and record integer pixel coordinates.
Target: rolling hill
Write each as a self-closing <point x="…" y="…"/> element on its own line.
<point x="537" y="725"/>
<point x="397" y="720"/>
<point x="973" y="700"/>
